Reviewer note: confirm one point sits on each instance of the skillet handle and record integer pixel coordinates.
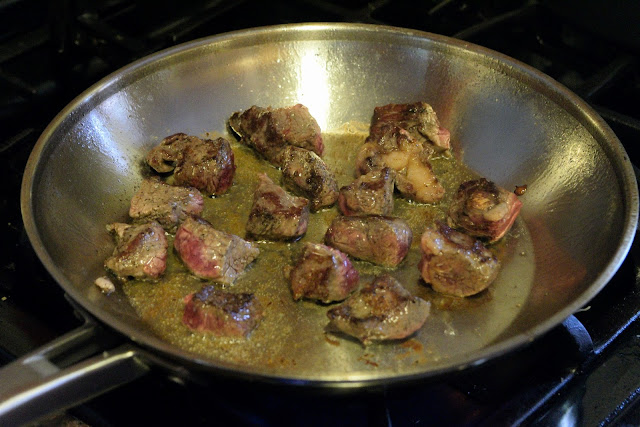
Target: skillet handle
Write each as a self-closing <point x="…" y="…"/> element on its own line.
<point x="65" y="372"/>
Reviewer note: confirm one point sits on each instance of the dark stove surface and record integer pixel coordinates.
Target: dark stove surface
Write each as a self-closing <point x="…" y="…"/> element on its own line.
<point x="585" y="372"/>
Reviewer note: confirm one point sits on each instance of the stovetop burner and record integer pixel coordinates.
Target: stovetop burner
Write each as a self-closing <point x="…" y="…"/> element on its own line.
<point x="586" y="371"/>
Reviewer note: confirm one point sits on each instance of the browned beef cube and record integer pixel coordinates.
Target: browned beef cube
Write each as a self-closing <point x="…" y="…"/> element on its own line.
<point x="222" y="313"/>
<point x="163" y="158"/>
<point x="324" y="274"/>
<point x="400" y="151"/>
<point x="378" y="239"/>
<point x="391" y="147"/>
<point x="370" y="194"/>
<point x="269" y="131"/>
<point x="393" y="139"/>
<point x="205" y="164"/>
<point x="167" y="204"/>
<point x="212" y="254"/>
<point x="455" y="263"/>
<point x="418" y="118"/>
<point x="482" y="209"/>
<point x="275" y="214"/>
<point x="381" y="310"/>
<point x="208" y="167"/>
<point x="305" y="173"/>
<point x="369" y="158"/>
<point x="140" y="253"/>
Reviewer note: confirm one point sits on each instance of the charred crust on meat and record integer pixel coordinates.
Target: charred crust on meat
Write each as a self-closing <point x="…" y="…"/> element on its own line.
<point x="381" y="310"/>
<point x="270" y="130"/>
<point x="322" y="273"/>
<point x="163" y="157"/>
<point x="379" y="239"/>
<point x="419" y="119"/>
<point x="222" y="313"/>
<point x="484" y="210"/>
<point x="370" y="194"/>
<point x="306" y="174"/>
<point x="169" y="205"/>
<point x="275" y="214"/>
<point x="140" y="253"/>
<point x="205" y="164"/>
<point x="454" y="263"/>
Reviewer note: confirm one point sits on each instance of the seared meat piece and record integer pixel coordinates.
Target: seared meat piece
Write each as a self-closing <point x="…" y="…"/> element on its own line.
<point x="378" y="239"/>
<point x="163" y="158"/>
<point x="212" y="254"/>
<point x="323" y="273"/>
<point x="140" y="253"/>
<point x="380" y="310"/>
<point x="395" y="148"/>
<point x="455" y="263"/>
<point x="369" y="158"/>
<point x="269" y="130"/>
<point x="205" y="164"/>
<point x="222" y="313"/>
<point x="371" y="194"/>
<point x="419" y="119"/>
<point x="208" y="167"/>
<point x="167" y="204"/>
<point x="276" y="215"/>
<point x="482" y="209"/>
<point x="305" y="173"/>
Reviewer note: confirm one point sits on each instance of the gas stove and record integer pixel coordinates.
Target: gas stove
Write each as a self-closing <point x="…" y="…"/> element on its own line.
<point x="586" y="371"/>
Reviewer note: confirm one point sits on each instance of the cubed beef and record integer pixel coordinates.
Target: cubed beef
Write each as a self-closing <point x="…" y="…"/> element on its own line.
<point x="400" y="151"/>
<point x="398" y="143"/>
<point x="140" y="252"/>
<point x="378" y="239"/>
<point x="369" y="158"/>
<point x="212" y="254"/>
<point x="163" y="158"/>
<point x="417" y="118"/>
<point x="167" y="204"/>
<point x="208" y="167"/>
<point x="482" y="209"/>
<point x="205" y="164"/>
<point x="381" y="310"/>
<point x="222" y="313"/>
<point x="275" y="214"/>
<point x="307" y="174"/>
<point x="269" y="130"/>
<point x="370" y="194"/>
<point x="455" y="263"/>
<point x="323" y="273"/>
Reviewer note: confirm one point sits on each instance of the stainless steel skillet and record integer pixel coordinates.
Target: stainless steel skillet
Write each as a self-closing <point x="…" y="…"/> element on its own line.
<point x="510" y="123"/>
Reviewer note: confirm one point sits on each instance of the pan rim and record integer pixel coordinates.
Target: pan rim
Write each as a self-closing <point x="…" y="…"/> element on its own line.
<point x="597" y="127"/>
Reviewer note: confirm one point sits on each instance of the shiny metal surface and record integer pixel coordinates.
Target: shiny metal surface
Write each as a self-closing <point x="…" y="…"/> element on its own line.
<point x="509" y="122"/>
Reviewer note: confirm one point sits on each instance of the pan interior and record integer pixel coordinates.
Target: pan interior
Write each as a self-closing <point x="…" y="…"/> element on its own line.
<point x="507" y="124"/>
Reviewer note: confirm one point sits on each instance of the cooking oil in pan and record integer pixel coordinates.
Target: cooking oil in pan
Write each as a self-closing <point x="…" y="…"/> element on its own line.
<point x="291" y="339"/>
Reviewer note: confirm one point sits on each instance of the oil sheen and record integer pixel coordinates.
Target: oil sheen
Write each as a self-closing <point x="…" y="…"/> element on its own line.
<point x="292" y="336"/>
